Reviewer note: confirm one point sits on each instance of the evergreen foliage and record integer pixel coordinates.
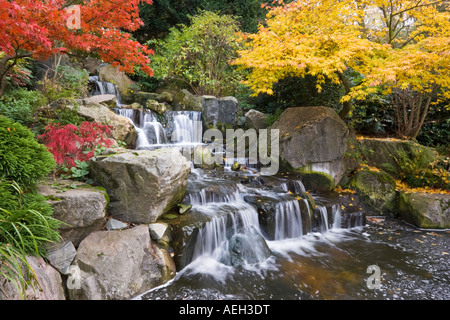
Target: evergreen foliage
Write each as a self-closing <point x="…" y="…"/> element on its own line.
<point x="22" y="158"/>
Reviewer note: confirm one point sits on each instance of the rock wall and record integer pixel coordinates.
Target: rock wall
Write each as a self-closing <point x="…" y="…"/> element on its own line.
<point x="98" y="256"/>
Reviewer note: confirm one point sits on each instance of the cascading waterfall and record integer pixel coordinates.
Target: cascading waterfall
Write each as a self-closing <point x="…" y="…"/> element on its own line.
<point x="102" y="87"/>
<point x="288" y="220"/>
<point x="231" y="233"/>
<point x="323" y="216"/>
<point x="150" y="130"/>
<point x="188" y="127"/>
<point x="337" y="219"/>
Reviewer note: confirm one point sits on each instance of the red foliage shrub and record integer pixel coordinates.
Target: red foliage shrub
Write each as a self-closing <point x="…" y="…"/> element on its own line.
<point x="69" y="143"/>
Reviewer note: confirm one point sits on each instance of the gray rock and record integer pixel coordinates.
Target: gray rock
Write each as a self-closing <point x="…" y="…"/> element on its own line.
<point x="143" y="184"/>
<point x="255" y="119"/>
<point x="46" y="286"/>
<point x="228" y="108"/>
<point x="124" y="84"/>
<point x="107" y="99"/>
<point x="82" y="209"/>
<point x="425" y="210"/>
<point x="248" y="248"/>
<point x="210" y="111"/>
<point x="219" y="113"/>
<point x="114" y="224"/>
<point x="184" y="100"/>
<point x="123" y="129"/>
<point x="157" y="230"/>
<point x="61" y="256"/>
<point x="116" y="265"/>
<point x="313" y="139"/>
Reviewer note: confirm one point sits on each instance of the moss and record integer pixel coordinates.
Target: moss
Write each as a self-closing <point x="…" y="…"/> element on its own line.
<point x="376" y="191"/>
<point x="105" y="193"/>
<point x="424" y="210"/>
<point x="317" y="181"/>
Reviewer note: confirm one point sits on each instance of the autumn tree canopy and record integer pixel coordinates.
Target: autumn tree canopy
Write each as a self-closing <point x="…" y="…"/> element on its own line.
<point x="396" y="45"/>
<point x="38" y="29"/>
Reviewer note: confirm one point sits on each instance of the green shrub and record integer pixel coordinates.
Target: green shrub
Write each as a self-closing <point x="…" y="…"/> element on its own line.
<point x="67" y="83"/>
<point x="198" y="55"/>
<point x="20" y="104"/>
<point x="22" y="158"/>
<point x="420" y="169"/>
<point x="26" y="226"/>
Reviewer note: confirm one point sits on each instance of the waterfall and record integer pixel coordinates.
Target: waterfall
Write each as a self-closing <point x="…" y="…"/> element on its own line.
<point x="294" y="186"/>
<point x="150" y="130"/>
<point x="288" y="220"/>
<point x="188" y="127"/>
<point x="102" y="87"/>
<point x="204" y="197"/>
<point x="323" y="218"/>
<point x="212" y="239"/>
<point x="337" y="220"/>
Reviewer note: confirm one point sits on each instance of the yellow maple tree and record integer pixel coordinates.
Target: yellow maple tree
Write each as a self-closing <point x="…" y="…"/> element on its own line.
<point x="394" y="44"/>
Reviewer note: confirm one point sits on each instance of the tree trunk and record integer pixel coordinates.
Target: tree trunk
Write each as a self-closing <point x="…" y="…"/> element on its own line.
<point x="347" y="105"/>
<point x="5" y="66"/>
<point x="3" y="71"/>
<point x="411" y="109"/>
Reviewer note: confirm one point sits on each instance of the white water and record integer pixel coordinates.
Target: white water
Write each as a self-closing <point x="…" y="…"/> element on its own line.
<point x="102" y="87"/>
<point x="223" y="205"/>
<point x="188" y="127"/>
<point x="288" y="220"/>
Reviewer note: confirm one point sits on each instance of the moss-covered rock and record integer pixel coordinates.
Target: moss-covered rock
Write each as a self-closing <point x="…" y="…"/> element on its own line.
<point x="156" y="106"/>
<point x="317" y="181"/>
<point x="376" y="191"/>
<point x="184" y="100"/>
<point x="387" y="154"/>
<point x="313" y="137"/>
<point x="425" y="210"/>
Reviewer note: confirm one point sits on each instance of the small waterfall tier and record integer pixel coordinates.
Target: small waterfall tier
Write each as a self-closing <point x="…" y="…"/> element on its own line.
<point x="173" y="128"/>
<point x="101" y="87"/>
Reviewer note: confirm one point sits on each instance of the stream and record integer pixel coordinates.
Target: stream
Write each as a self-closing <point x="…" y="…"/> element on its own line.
<point x="323" y="264"/>
<point x="254" y="237"/>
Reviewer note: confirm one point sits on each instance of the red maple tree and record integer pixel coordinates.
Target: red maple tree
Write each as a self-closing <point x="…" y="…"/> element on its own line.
<point x="68" y="142"/>
<point x="38" y="29"/>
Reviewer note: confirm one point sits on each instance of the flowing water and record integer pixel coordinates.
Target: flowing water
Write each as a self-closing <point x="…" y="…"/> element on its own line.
<point x="300" y="261"/>
<point x="252" y="237"/>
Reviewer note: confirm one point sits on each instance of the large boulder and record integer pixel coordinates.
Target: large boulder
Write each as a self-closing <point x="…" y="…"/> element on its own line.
<point x="219" y="113"/>
<point x="313" y="139"/>
<point x="255" y="119"/>
<point x="120" y="264"/>
<point x="123" y="129"/>
<point x="425" y="210"/>
<point x="186" y="101"/>
<point x="125" y="85"/>
<point x="82" y="208"/>
<point x="387" y="154"/>
<point x="47" y="284"/>
<point x="376" y="191"/>
<point x="143" y="184"/>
